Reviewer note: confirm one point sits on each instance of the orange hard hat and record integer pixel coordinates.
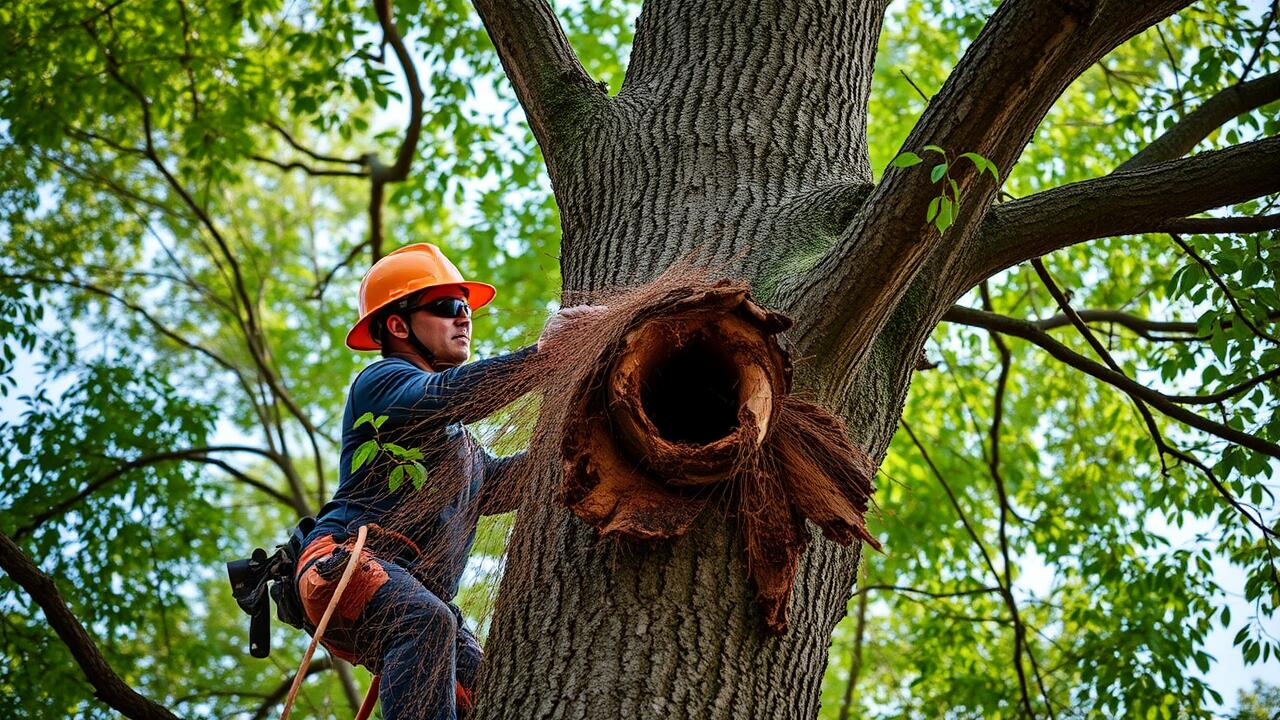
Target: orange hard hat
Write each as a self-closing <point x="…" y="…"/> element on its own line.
<point x="398" y="275"/>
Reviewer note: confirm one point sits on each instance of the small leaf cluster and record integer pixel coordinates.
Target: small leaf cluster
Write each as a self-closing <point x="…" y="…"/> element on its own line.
<point x="408" y="461"/>
<point x="942" y="209"/>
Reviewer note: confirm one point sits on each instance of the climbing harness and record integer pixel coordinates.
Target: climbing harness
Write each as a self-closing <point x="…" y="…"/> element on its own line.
<point x="366" y="707"/>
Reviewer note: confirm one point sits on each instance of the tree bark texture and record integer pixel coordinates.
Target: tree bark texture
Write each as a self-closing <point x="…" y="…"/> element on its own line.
<point x="738" y="140"/>
<point x="739" y="135"/>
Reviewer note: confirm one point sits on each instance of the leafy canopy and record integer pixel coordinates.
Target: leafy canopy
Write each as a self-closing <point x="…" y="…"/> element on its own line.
<point x="173" y="280"/>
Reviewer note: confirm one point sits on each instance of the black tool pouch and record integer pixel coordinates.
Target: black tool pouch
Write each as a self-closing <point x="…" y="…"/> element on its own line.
<point x="262" y="576"/>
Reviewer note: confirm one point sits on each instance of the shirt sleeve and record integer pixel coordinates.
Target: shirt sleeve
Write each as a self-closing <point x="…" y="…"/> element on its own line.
<point x="466" y="393"/>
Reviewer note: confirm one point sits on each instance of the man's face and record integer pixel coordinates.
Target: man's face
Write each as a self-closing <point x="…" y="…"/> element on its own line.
<point x="449" y="339"/>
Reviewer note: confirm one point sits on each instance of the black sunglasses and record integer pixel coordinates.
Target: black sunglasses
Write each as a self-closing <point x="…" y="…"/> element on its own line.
<point x="444" y="307"/>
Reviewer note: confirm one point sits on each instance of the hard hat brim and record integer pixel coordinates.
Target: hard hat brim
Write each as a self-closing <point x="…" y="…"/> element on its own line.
<point x="478" y="295"/>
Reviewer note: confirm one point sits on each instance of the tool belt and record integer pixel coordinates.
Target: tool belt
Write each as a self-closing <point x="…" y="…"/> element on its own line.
<point x="264" y="576"/>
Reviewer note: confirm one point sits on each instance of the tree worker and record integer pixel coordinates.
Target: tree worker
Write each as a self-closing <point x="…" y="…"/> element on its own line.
<point x="395" y="616"/>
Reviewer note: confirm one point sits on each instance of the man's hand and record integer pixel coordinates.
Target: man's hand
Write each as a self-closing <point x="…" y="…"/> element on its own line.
<point x="566" y="317"/>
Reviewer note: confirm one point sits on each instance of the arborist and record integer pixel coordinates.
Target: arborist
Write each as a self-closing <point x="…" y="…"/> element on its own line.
<point x="395" y="615"/>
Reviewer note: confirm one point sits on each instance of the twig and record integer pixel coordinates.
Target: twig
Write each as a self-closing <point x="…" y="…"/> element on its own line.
<point x="1029" y="332"/>
<point x="1222" y="285"/>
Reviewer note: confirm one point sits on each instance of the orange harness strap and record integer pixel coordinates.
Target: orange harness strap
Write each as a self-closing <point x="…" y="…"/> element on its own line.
<point x="347" y="572"/>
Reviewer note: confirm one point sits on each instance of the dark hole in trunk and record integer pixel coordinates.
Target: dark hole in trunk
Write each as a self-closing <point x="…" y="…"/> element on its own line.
<point x="691" y="396"/>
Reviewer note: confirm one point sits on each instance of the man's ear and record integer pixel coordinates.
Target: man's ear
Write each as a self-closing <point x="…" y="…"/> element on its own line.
<point x="396" y="326"/>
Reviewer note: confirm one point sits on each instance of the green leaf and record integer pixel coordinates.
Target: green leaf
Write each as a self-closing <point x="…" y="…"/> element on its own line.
<point x="938" y="171"/>
<point x="398" y="451"/>
<point x="377" y="424"/>
<point x="945" y="215"/>
<point x="906" y="159"/>
<point x="363" y="453"/>
<point x="932" y="212"/>
<point x="397" y="478"/>
<point x="365" y="418"/>
<point x="935" y="148"/>
<point x="417" y="473"/>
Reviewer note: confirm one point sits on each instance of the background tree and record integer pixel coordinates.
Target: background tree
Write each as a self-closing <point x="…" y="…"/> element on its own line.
<point x="191" y="192"/>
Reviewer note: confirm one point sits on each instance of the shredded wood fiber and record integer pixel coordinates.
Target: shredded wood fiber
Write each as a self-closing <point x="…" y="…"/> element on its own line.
<point x="673" y="402"/>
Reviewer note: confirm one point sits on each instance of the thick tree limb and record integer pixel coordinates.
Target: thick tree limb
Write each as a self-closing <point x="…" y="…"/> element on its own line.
<point x="548" y="78"/>
<point x="1028" y="331"/>
<point x="1201" y="122"/>
<point x="1025" y="56"/>
<point x="1135" y="201"/>
<point x="107" y="685"/>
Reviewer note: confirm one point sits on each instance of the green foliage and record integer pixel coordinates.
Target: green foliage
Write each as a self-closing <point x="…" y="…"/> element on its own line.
<point x="943" y="208"/>
<point x="126" y="337"/>
<point x="404" y="461"/>
<point x="1261" y="702"/>
<point x="1117" y="565"/>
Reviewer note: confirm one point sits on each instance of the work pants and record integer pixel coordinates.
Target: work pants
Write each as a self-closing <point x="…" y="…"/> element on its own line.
<point x="397" y="628"/>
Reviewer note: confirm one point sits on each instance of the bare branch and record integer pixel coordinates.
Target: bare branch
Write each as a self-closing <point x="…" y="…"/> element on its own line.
<point x="314" y="172"/>
<point x="1212" y="225"/>
<point x="319" y="157"/>
<point x="399" y="170"/>
<point x="277" y="695"/>
<point x="1222" y="285"/>
<point x="928" y="593"/>
<point x="1006" y="587"/>
<point x="1197" y="125"/>
<point x="108" y="686"/>
<point x="191" y="454"/>
<point x="253" y="334"/>
<point x="186" y="59"/>
<point x="1262" y="39"/>
<point x="132" y="306"/>
<point x="1028" y="331"/>
<point x="318" y="290"/>
<point x="549" y="81"/>
<point x="855" y="661"/>
<point x="1100" y="350"/>
<point x="1144" y="327"/>
<point x="955" y="502"/>
<point x="1227" y="393"/>
<point x="1135" y="201"/>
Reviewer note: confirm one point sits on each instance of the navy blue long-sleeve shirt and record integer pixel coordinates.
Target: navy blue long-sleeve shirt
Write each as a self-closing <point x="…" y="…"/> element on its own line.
<point x="424" y="410"/>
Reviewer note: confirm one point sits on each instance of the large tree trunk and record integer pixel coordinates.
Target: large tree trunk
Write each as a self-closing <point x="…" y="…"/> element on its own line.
<point x="748" y="153"/>
<point x="740" y="135"/>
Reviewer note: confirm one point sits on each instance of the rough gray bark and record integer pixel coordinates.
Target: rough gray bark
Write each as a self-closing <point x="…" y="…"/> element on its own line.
<point x="740" y="135"/>
<point x="740" y="129"/>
